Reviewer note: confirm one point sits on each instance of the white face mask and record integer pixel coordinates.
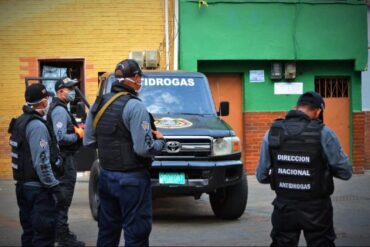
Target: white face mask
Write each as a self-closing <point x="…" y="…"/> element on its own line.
<point x="71" y="96"/>
<point x="43" y="111"/>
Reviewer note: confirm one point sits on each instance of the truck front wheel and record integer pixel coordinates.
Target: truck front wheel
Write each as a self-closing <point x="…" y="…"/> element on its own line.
<point x="230" y="202"/>
<point x="94" y="200"/>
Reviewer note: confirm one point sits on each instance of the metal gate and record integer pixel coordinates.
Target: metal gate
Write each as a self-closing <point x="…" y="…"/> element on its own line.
<point x="335" y="91"/>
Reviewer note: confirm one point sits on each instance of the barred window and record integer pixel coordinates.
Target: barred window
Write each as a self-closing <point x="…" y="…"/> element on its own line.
<point x="332" y="87"/>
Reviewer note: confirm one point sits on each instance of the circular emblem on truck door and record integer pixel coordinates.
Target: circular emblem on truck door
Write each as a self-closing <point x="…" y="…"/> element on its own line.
<point x="173" y="147"/>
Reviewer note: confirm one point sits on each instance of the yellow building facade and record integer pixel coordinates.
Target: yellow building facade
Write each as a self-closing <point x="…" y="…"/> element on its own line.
<point x="93" y="35"/>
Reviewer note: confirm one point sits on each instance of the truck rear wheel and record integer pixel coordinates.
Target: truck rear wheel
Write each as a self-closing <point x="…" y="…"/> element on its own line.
<point x="94" y="200"/>
<point x="230" y="202"/>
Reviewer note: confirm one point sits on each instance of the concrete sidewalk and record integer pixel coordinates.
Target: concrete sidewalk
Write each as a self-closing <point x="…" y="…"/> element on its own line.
<point x="185" y="221"/>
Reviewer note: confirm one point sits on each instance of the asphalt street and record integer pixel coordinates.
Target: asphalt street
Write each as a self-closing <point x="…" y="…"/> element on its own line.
<point x="185" y="221"/>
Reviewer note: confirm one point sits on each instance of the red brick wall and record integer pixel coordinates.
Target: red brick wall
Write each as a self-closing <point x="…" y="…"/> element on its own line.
<point x="367" y="140"/>
<point x="257" y="123"/>
<point x="255" y="126"/>
<point x="358" y="149"/>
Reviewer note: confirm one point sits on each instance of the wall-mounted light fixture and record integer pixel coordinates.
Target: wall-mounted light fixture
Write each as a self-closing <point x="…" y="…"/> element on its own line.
<point x="276" y="70"/>
<point x="290" y="70"/>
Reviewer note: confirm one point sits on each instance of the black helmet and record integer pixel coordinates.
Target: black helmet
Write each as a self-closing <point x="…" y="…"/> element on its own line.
<point x="127" y="68"/>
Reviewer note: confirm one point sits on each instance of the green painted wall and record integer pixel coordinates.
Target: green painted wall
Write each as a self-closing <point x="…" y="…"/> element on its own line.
<point x="324" y="37"/>
<point x="260" y="96"/>
<point x="268" y="30"/>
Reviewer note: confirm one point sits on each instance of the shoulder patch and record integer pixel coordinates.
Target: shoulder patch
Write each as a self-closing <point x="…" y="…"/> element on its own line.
<point x="145" y="125"/>
<point x="59" y="125"/>
<point x="43" y="143"/>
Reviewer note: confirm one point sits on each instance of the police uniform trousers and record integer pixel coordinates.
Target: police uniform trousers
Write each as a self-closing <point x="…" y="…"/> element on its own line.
<point x="125" y="203"/>
<point x="67" y="183"/>
<point x="314" y="217"/>
<point x="37" y="215"/>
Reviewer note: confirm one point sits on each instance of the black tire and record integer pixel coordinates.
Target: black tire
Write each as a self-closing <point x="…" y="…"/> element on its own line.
<point x="230" y="202"/>
<point x="94" y="200"/>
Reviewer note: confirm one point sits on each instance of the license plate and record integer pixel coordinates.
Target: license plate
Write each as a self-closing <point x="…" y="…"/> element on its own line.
<point x="172" y="178"/>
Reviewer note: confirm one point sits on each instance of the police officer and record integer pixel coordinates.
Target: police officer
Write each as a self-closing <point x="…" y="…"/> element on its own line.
<point x="36" y="165"/>
<point x="69" y="137"/>
<point x="299" y="157"/>
<point x="119" y="126"/>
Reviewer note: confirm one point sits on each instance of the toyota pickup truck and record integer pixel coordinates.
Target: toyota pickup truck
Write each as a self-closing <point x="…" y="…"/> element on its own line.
<point x="202" y="153"/>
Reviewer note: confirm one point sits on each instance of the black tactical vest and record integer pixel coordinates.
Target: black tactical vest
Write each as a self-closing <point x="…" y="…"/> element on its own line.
<point x="299" y="167"/>
<point x="115" y="146"/>
<point x="70" y="126"/>
<point x="22" y="164"/>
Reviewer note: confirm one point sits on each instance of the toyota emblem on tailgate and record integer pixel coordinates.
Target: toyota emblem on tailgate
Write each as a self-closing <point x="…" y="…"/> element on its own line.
<point x="173" y="147"/>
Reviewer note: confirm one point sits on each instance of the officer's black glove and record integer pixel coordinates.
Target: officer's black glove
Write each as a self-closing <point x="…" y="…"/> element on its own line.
<point x="59" y="166"/>
<point x="58" y="196"/>
<point x="152" y="122"/>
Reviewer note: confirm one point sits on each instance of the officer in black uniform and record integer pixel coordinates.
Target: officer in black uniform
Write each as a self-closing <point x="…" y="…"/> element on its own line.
<point x="36" y="167"/>
<point x="299" y="157"/>
<point x="69" y="136"/>
<point x="119" y="126"/>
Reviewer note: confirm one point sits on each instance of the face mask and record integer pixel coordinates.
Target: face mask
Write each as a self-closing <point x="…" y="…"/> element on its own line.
<point x="45" y="110"/>
<point x="71" y="96"/>
<point x="139" y="84"/>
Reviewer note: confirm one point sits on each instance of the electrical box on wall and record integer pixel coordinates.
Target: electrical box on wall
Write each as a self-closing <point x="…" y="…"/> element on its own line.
<point x="151" y="59"/>
<point x="138" y="56"/>
<point x="290" y="70"/>
<point x="276" y="70"/>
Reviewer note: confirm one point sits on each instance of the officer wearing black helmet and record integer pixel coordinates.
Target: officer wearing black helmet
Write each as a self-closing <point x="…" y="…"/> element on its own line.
<point x="36" y="167"/>
<point x="299" y="158"/>
<point x="119" y="126"/>
<point x="69" y="136"/>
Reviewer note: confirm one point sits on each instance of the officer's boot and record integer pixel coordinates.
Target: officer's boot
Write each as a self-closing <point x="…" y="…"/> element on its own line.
<point x="68" y="239"/>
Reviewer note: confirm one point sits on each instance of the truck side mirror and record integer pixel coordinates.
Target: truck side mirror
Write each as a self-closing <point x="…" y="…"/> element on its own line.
<point x="223" y="109"/>
<point x="80" y="111"/>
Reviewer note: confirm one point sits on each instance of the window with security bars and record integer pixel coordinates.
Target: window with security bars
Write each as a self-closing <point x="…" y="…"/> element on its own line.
<point x="332" y="87"/>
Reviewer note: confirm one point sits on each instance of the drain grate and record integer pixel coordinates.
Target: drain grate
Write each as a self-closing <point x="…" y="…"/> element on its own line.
<point x="342" y="198"/>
